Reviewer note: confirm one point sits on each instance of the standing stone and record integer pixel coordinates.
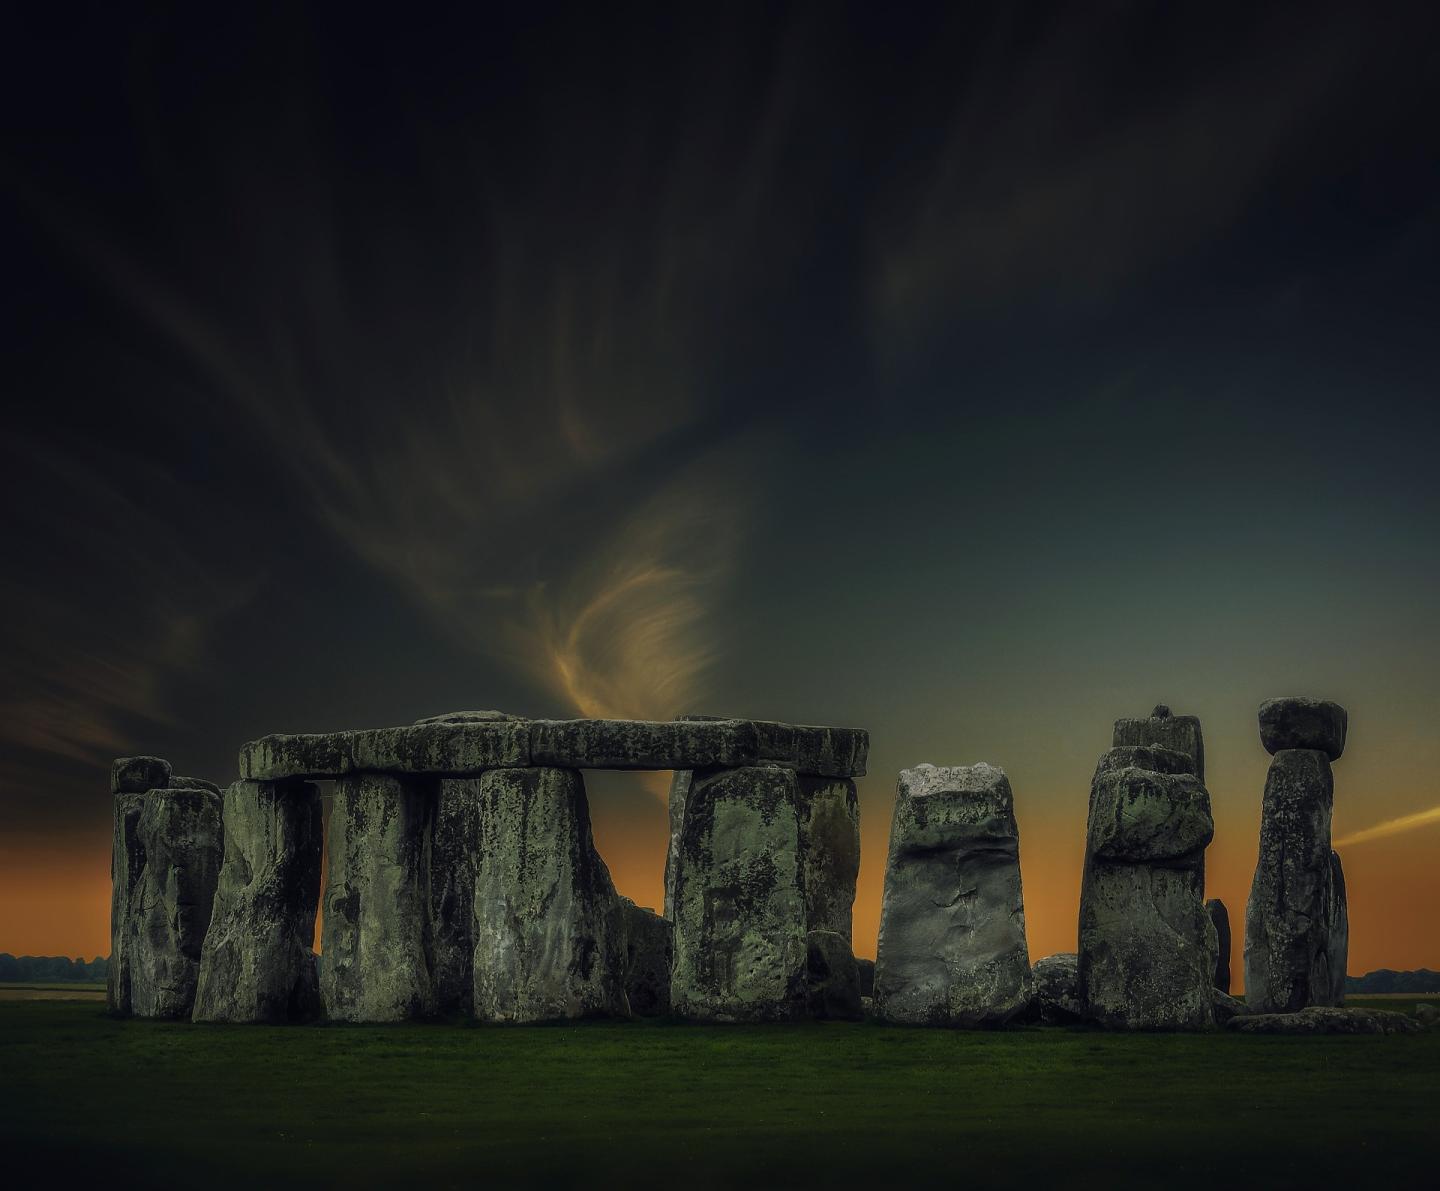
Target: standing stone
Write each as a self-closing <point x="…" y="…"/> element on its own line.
<point x="549" y="930"/>
<point x="180" y="834"/>
<point x="952" y="947"/>
<point x="649" y="948"/>
<point x="1147" y="946"/>
<point x="1180" y="733"/>
<point x="373" y="961"/>
<point x="451" y="868"/>
<point x="830" y="851"/>
<point x="866" y="968"/>
<point x="739" y="899"/>
<point x="1220" y="920"/>
<point x="1337" y="916"/>
<point x="1294" y="937"/>
<point x="258" y="964"/>
<point x="680" y="783"/>
<point x="127" y="862"/>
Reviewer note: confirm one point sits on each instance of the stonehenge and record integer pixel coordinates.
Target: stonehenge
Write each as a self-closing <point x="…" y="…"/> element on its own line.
<point x="460" y="878"/>
<point x="1147" y="945"/>
<point x="952" y="948"/>
<point x="1297" y="920"/>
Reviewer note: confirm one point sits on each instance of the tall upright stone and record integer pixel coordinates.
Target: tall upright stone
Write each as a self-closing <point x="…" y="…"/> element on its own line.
<point x="1220" y="920"/>
<point x="1296" y="921"/>
<point x="127" y="862"/>
<point x="680" y="783"/>
<point x="258" y="963"/>
<point x="374" y="963"/>
<point x="952" y="948"/>
<point x="181" y="836"/>
<point x="829" y="811"/>
<point x="1147" y="945"/>
<point x="548" y="926"/>
<point x="739" y="902"/>
<point x="451" y="867"/>
<point x="1180" y="733"/>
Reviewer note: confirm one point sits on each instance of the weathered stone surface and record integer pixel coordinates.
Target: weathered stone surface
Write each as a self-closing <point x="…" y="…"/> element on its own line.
<point x="1220" y="920"/>
<point x="258" y="964"/>
<point x="952" y="947"/>
<point x="830" y="851"/>
<point x="649" y="948"/>
<point x="1152" y="757"/>
<point x="180" y="782"/>
<point x="1147" y="946"/>
<point x="451" y="869"/>
<point x="1294" y="907"/>
<point x="135" y="775"/>
<point x="739" y="899"/>
<point x="866" y="968"/>
<point x="180" y="834"/>
<point x="373" y="961"/>
<point x="1056" y="981"/>
<point x="549" y="928"/>
<point x="1320" y="1019"/>
<point x="680" y="783"/>
<point x="468" y="717"/>
<point x="1299" y="723"/>
<point x="1178" y="732"/>
<point x="441" y="749"/>
<point x="464" y="745"/>
<point x="832" y="977"/>
<point x="127" y="862"/>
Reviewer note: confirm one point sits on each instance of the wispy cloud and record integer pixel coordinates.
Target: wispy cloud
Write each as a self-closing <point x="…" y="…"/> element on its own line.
<point x="1405" y="823"/>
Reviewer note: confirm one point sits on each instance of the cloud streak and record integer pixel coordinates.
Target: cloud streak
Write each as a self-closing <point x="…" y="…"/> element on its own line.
<point x="1391" y="827"/>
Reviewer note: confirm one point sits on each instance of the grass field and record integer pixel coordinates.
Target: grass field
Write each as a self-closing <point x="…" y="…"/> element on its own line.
<point x="625" y="1104"/>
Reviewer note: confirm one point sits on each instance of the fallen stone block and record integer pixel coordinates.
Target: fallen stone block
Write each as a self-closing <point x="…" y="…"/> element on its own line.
<point x="1322" y="1019"/>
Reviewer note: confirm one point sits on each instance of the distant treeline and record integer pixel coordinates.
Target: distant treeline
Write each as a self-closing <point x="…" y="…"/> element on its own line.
<point x="1386" y="980"/>
<point x="50" y="968"/>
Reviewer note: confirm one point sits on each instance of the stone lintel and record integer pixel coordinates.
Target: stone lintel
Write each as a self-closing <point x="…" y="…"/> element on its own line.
<point x="469" y="748"/>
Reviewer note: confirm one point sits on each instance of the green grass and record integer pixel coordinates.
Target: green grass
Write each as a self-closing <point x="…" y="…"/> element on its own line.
<point x="639" y="1104"/>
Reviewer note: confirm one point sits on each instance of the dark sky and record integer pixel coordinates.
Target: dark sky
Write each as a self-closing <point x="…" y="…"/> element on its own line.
<point x="974" y="374"/>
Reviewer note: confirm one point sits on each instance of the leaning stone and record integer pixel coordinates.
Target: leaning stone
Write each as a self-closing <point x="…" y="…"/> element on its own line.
<point x="1220" y="920"/>
<point x="178" y="782"/>
<point x="1226" y="1006"/>
<point x="952" y="947"/>
<point x="1298" y="723"/>
<point x="1293" y="918"/>
<point x="1320" y="1019"/>
<point x="866" y="968"/>
<point x="549" y="929"/>
<point x="127" y="862"/>
<point x="1178" y="732"/>
<point x="830" y="851"/>
<point x="258" y="964"/>
<point x="649" y="947"/>
<point x="739" y="899"/>
<point x="135" y="775"/>
<point x="832" y="978"/>
<point x="451" y="869"/>
<point x="1147" y="946"/>
<point x="1057" y="992"/>
<point x="373" y="962"/>
<point x="181" y="835"/>
<point x="467" y="717"/>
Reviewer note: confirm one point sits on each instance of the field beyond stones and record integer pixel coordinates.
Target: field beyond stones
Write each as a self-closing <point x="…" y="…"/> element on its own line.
<point x="133" y="1102"/>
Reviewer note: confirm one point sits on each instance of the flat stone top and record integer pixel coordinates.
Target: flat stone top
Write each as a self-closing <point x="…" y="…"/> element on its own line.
<point x="458" y="748"/>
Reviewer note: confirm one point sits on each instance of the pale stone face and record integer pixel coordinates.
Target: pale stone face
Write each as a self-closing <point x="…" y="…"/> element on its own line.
<point x="952" y="948"/>
<point x="257" y="965"/>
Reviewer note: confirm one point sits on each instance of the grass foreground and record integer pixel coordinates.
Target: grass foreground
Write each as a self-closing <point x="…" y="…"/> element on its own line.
<point x="633" y="1103"/>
